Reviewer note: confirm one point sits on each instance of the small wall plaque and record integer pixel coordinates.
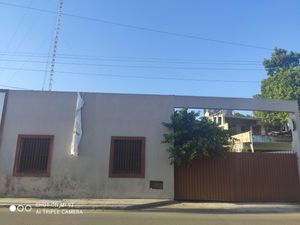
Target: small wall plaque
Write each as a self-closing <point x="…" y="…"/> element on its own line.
<point x="154" y="184"/>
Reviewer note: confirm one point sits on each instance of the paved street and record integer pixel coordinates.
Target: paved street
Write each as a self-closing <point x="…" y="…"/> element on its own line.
<point x="100" y="217"/>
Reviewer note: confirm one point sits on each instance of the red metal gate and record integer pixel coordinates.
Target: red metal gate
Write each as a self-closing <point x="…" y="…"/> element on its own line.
<point x="240" y="177"/>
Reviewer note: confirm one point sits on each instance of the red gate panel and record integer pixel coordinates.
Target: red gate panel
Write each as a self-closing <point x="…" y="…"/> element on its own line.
<point x="240" y="177"/>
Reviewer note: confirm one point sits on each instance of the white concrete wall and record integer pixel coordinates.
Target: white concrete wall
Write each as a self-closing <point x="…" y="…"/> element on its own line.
<point x="2" y="103"/>
<point x="103" y="116"/>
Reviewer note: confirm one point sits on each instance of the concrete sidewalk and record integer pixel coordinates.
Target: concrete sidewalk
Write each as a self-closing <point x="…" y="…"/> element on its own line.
<point x="222" y="207"/>
<point x="85" y="203"/>
<point x="161" y="205"/>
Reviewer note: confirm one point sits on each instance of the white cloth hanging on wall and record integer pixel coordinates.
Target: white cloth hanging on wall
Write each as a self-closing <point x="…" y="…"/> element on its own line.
<point x="77" y="130"/>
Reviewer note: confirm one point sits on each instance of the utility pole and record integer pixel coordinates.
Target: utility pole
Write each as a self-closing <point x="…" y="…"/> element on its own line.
<point x="55" y="42"/>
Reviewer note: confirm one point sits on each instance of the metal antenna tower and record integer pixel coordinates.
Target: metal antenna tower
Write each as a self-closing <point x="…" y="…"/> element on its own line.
<point x="54" y="49"/>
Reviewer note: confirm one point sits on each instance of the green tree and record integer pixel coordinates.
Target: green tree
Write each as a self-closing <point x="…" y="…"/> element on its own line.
<point x="191" y="137"/>
<point x="282" y="82"/>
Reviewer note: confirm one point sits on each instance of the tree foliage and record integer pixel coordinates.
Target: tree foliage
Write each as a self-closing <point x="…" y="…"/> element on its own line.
<point x="283" y="82"/>
<point x="280" y="61"/>
<point x="191" y="138"/>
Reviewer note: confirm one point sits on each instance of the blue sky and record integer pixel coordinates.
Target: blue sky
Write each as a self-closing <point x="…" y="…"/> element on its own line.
<point x="103" y="57"/>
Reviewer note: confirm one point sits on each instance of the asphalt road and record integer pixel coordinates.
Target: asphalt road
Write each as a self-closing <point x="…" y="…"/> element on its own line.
<point x="99" y="217"/>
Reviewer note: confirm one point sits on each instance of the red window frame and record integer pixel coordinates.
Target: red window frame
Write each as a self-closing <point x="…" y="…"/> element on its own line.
<point x="141" y="173"/>
<point x="32" y="173"/>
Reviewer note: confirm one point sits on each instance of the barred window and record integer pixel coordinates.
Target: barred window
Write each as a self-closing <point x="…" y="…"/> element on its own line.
<point x="127" y="157"/>
<point x="33" y="155"/>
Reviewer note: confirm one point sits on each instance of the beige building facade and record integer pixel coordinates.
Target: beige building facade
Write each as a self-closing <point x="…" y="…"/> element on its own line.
<point x="111" y="125"/>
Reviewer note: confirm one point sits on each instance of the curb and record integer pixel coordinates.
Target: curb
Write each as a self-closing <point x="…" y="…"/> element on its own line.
<point x="103" y="207"/>
<point x="227" y="211"/>
<point x="151" y="205"/>
<point x="159" y="207"/>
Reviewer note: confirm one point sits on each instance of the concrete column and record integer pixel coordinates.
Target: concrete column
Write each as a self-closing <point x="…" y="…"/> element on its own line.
<point x="263" y="129"/>
<point x="296" y="136"/>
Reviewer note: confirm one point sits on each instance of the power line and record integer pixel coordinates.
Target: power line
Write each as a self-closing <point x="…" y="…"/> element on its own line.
<point x="140" y="27"/>
<point x="149" y="67"/>
<point x="213" y="62"/>
<point x="14" y="87"/>
<point x="16" y="30"/>
<point x="136" y="66"/>
<point x="96" y="57"/>
<point x="26" y="35"/>
<point x="136" y="77"/>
